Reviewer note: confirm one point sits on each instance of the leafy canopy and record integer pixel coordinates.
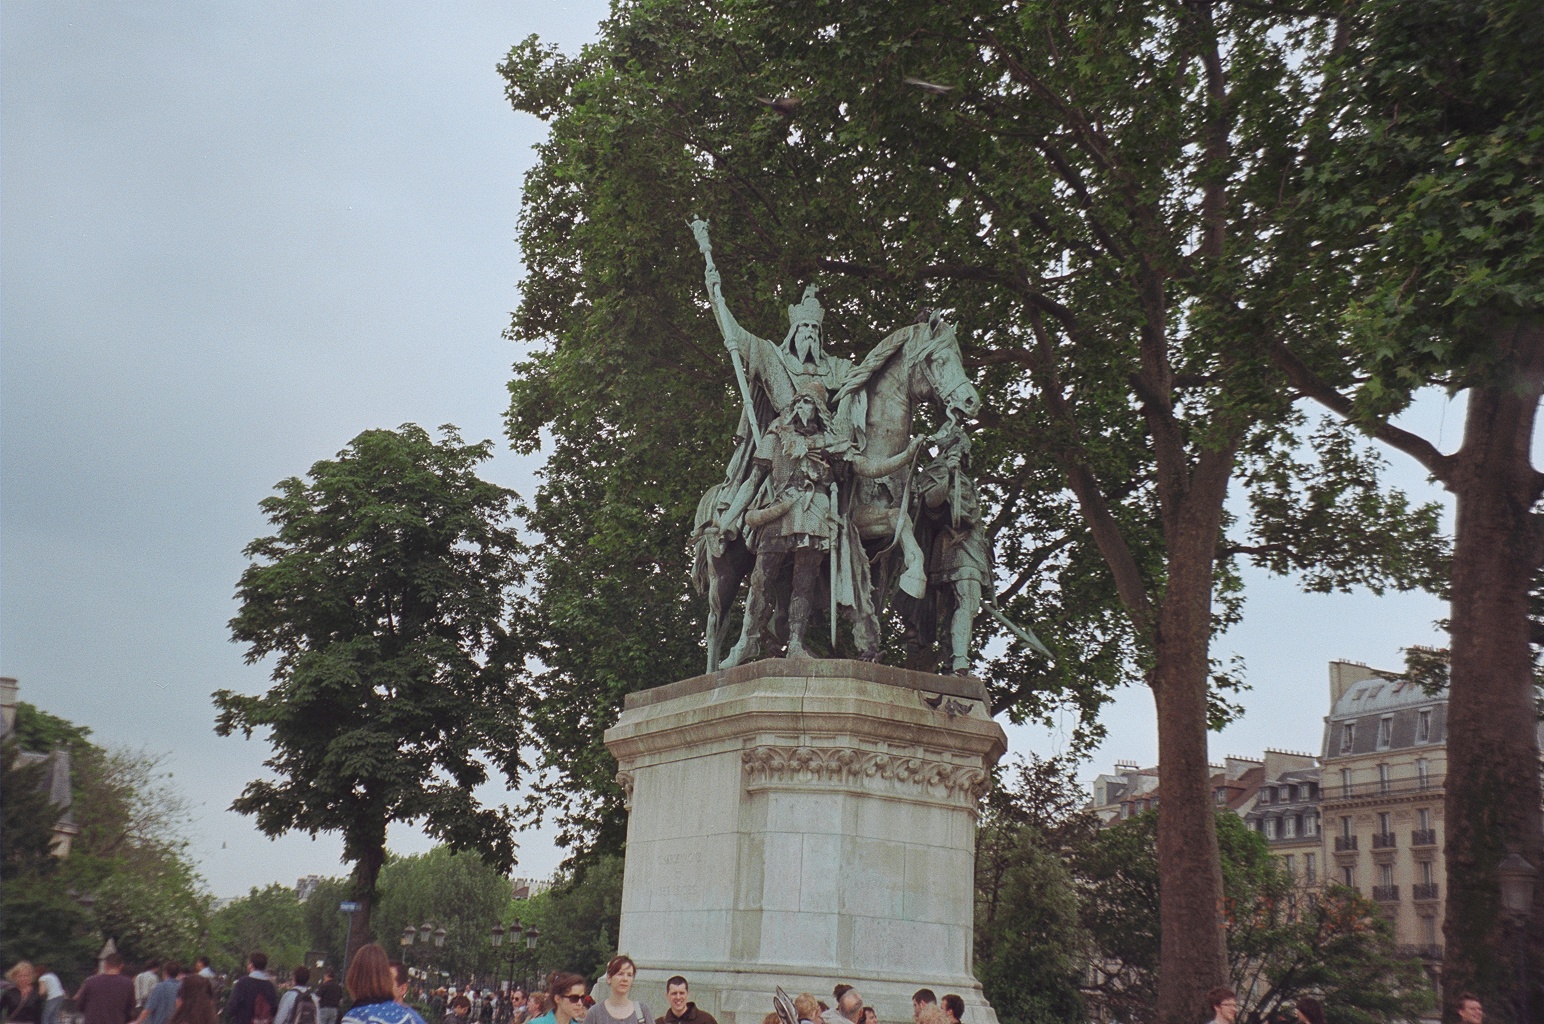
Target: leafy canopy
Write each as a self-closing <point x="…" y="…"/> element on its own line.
<point x="382" y="599"/>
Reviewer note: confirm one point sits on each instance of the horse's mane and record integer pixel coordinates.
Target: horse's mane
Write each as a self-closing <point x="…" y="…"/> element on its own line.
<point x="872" y="363"/>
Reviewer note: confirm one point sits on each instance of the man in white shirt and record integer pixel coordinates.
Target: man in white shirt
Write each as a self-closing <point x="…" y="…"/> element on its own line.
<point x="53" y="993"/>
<point x="144" y="983"/>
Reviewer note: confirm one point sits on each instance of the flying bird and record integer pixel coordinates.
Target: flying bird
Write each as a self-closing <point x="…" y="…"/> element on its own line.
<point x="784" y="105"/>
<point x="932" y="87"/>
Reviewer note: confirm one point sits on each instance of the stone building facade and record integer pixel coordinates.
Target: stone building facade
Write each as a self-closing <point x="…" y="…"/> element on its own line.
<point x="1382" y="770"/>
<point x="1286" y="812"/>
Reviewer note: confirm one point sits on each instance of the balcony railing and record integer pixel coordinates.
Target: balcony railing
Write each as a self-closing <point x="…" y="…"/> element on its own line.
<point x="1428" y="952"/>
<point x="1383" y="840"/>
<point x="1423" y="891"/>
<point x="1393" y="787"/>
<point x="1344" y="843"/>
<point x="1423" y="837"/>
<point x="1385" y="893"/>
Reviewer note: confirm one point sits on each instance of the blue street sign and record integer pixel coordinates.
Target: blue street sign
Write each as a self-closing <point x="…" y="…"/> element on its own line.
<point x="348" y="907"/>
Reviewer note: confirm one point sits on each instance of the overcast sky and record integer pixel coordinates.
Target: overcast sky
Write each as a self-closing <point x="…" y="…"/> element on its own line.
<point x="236" y="235"/>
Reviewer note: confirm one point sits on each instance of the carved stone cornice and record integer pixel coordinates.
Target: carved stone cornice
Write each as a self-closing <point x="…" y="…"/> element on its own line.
<point x="850" y="767"/>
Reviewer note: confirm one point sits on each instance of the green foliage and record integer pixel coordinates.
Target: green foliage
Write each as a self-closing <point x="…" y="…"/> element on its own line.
<point x="1030" y="944"/>
<point x="326" y="925"/>
<point x="28" y="817"/>
<point x="579" y="919"/>
<point x="1106" y="227"/>
<point x="383" y="598"/>
<point x="129" y="858"/>
<point x="1433" y="193"/>
<point x="42" y="920"/>
<point x="455" y="891"/>
<point x="1067" y="917"/>
<point x="268" y="919"/>
<point x="1283" y="941"/>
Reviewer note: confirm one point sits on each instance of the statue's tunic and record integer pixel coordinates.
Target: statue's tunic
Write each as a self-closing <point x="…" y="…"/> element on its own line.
<point x="800" y="474"/>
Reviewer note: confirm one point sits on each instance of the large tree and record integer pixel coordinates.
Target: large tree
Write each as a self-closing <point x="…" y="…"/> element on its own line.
<point x="383" y="599"/>
<point x="1425" y="198"/>
<point x="1094" y="190"/>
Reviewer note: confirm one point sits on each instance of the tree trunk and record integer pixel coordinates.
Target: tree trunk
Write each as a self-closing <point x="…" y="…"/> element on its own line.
<point x="1192" y="955"/>
<point x="1493" y="792"/>
<point x="367" y="870"/>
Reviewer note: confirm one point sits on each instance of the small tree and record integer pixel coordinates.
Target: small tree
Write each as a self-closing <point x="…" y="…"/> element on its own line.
<point x="384" y="596"/>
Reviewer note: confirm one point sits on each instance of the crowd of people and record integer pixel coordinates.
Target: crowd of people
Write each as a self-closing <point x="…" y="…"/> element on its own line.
<point x="376" y="988"/>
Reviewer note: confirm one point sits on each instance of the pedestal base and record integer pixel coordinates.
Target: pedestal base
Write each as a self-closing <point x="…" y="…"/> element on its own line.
<point x="804" y="824"/>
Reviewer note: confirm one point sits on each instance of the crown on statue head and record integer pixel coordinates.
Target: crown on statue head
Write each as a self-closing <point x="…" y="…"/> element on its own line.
<point x="808" y="310"/>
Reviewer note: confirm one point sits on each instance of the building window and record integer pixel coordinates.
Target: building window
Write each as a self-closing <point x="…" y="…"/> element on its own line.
<point x="1270" y="828"/>
<point x="1291" y="865"/>
<point x="1347" y="737"/>
<point x="1385" y="874"/>
<point x="1345" y="782"/>
<point x="1423" y="772"/>
<point x="1309" y="873"/>
<point x="1383" y="778"/>
<point x="1423" y="726"/>
<point x="1426" y="878"/>
<point x="1429" y="929"/>
<point x="1423" y="816"/>
<point x="1383" y="822"/>
<point x="1289" y="793"/>
<point x="1289" y="827"/>
<point x="1348" y="876"/>
<point x="1310" y="824"/>
<point x="1385" y="731"/>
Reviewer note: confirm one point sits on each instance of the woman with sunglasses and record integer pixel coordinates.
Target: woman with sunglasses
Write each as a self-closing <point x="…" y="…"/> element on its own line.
<point x="566" y="990"/>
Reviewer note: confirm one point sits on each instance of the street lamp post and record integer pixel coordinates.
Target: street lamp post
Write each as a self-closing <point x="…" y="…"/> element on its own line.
<point x="530" y="948"/>
<point x="513" y="931"/>
<point x="423" y="933"/>
<point x="1517" y="881"/>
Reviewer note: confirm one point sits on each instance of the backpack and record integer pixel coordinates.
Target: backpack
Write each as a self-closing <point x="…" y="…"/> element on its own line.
<point x="305" y="1009"/>
<point x="262" y="1013"/>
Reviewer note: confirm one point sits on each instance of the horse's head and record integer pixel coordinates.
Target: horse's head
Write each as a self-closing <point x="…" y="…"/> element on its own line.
<point x="942" y="371"/>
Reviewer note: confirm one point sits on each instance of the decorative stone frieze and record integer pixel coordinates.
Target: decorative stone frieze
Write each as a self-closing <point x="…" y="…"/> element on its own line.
<point x="849" y="766"/>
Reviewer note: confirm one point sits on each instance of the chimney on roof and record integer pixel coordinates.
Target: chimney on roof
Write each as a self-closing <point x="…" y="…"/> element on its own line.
<point x="1344" y="675"/>
<point x="8" y="688"/>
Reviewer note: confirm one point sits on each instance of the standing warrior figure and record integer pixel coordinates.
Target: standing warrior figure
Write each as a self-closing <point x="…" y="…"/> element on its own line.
<point x="803" y="519"/>
<point x="959" y="565"/>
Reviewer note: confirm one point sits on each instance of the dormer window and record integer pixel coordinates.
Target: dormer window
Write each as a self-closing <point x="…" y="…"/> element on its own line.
<point x="1347" y="737"/>
<point x="1423" y="726"/>
<point x="1385" y="731"/>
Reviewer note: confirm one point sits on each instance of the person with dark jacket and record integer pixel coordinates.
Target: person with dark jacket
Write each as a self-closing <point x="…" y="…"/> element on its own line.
<point x="107" y="998"/>
<point x="682" y="1010"/>
<point x="253" y="997"/>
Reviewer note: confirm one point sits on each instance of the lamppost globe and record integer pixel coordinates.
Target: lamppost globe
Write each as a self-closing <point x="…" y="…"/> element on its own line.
<point x="530" y="937"/>
<point x="407" y="935"/>
<point x="1517" y="881"/>
<point x="439" y="937"/>
<point x="425" y="931"/>
<point x="498" y="935"/>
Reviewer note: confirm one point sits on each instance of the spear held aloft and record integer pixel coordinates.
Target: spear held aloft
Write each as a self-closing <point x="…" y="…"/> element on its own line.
<point x="721" y="314"/>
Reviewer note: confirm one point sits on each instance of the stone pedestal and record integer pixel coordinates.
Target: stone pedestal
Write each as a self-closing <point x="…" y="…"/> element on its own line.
<point x="804" y="823"/>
